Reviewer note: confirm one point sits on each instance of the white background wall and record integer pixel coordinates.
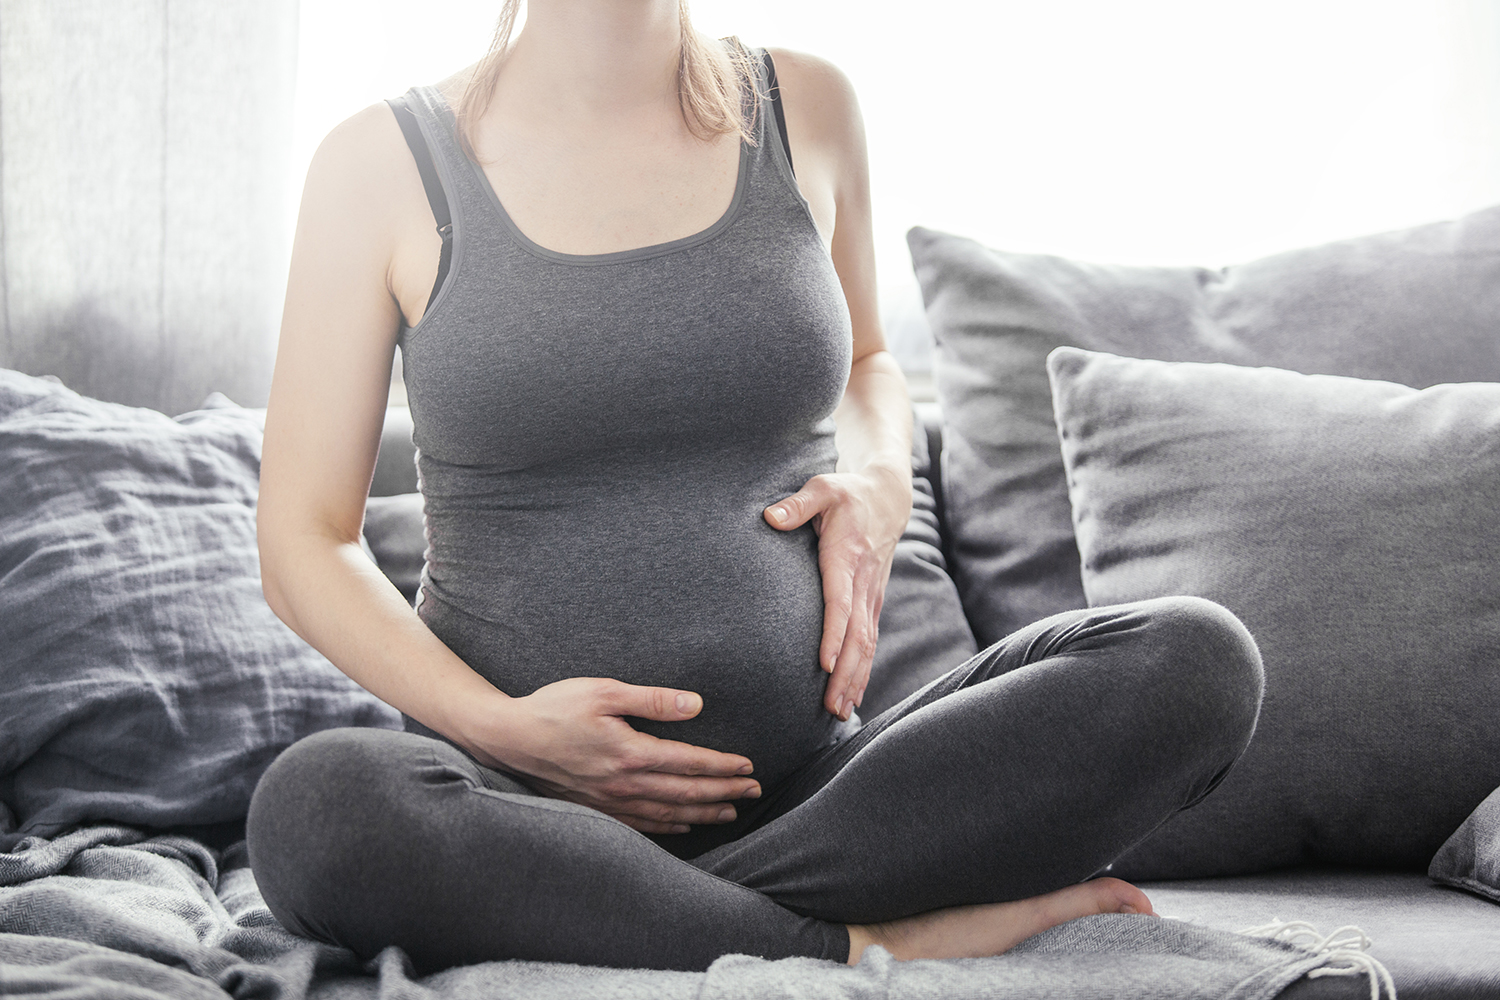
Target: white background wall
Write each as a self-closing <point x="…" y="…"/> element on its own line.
<point x="1158" y="131"/>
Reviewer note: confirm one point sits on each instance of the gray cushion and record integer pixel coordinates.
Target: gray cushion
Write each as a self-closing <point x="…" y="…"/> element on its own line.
<point x="1470" y="859"/>
<point x="396" y="462"/>
<point x="1438" y="944"/>
<point x="1351" y="525"/>
<point x="1418" y="306"/>
<point x="144" y="680"/>
<point x="923" y="631"/>
<point x="396" y="534"/>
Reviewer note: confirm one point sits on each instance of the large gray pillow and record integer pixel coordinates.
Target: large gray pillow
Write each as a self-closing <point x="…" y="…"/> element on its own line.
<point x="1352" y="526"/>
<point x="143" y="679"/>
<point x="1470" y="859"/>
<point x="1420" y="306"/>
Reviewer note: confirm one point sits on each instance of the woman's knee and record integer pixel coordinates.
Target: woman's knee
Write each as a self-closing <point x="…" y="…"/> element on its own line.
<point x="322" y="817"/>
<point x="1207" y="666"/>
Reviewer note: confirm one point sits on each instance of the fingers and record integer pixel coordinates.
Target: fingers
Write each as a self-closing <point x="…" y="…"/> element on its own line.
<point x="651" y="826"/>
<point x="672" y="757"/>
<point x="648" y="825"/>
<point x="846" y="686"/>
<point x="799" y="508"/>
<point x="852" y="603"/>
<point x="676" y="789"/>
<point x="663" y="816"/>
<point x="856" y="656"/>
<point x="657" y="802"/>
<point x="657" y="704"/>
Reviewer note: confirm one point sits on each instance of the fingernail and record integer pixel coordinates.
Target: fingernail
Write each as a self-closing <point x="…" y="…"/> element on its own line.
<point x="1127" y="908"/>
<point x="745" y="769"/>
<point x="679" y="828"/>
<point x="778" y="513"/>
<point x="726" y="814"/>
<point x="838" y="706"/>
<point x="833" y="661"/>
<point x="753" y="792"/>
<point x="684" y="703"/>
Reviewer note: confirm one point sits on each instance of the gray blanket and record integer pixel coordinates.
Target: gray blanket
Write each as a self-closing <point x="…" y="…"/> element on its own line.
<point x="109" y="912"/>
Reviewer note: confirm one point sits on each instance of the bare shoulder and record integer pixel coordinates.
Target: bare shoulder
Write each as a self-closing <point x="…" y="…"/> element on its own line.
<point x="824" y="130"/>
<point x="369" y="144"/>
<point x="818" y="91"/>
<point x="362" y="157"/>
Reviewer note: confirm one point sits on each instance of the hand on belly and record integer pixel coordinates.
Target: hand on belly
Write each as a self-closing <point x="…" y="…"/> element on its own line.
<point x="571" y="738"/>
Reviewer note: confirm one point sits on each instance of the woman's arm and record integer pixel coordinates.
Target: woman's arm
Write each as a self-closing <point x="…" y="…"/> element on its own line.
<point x="860" y="511"/>
<point x="362" y="209"/>
<point x="328" y="399"/>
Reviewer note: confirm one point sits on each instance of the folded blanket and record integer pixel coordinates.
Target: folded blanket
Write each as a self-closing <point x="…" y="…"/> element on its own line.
<point x="111" y="912"/>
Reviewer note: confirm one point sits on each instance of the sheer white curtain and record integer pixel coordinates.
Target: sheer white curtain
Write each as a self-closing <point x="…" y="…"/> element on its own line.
<point x="144" y="157"/>
<point x="1161" y="131"/>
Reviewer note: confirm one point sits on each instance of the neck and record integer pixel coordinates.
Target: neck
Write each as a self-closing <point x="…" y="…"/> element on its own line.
<point x="592" y="60"/>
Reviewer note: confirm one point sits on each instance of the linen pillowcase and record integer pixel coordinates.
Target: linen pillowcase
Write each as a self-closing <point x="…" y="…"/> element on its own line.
<point x="1416" y="306"/>
<point x="144" y="678"/>
<point x="1351" y="525"/>
<point x="1470" y="859"/>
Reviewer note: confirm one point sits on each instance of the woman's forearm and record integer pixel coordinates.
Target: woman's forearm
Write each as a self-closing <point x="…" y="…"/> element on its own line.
<point x="874" y="419"/>
<point x="328" y="592"/>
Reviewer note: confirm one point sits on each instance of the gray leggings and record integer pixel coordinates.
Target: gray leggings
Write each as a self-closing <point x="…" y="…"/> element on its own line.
<point x="1030" y="767"/>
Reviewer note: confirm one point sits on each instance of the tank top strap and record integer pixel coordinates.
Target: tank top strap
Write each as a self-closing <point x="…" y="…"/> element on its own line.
<point x="767" y="182"/>
<point x="773" y="152"/>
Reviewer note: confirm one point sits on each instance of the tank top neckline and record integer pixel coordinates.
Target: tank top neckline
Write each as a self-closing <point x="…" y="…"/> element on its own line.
<point x="736" y="201"/>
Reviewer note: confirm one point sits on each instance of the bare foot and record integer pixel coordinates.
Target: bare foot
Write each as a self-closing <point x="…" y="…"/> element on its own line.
<point x="991" y="928"/>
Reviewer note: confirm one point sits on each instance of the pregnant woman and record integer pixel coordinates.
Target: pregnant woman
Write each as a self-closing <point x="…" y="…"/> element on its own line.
<point x="664" y="461"/>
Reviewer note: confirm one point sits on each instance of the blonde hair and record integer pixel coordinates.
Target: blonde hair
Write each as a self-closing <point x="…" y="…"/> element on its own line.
<point x="710" y="97"/>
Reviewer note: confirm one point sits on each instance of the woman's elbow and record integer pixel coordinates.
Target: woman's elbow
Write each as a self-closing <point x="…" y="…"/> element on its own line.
<point x="270" y="566"/>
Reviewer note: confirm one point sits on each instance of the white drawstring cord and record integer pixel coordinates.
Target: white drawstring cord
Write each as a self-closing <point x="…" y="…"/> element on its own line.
<point x="1346" y="945"/>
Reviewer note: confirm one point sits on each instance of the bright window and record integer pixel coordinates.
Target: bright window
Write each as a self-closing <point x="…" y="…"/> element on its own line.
<point x="1161" y="131"/>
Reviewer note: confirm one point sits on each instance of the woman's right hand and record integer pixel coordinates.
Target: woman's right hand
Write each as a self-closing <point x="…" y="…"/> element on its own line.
<point x="571" y="738"/>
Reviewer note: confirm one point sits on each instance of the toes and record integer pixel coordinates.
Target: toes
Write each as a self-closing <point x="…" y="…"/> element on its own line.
<point x="1117" y="896"/>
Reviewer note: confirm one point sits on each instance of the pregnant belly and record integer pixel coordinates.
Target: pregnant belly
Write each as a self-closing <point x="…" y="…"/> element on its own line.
<point x="731" y="609"/>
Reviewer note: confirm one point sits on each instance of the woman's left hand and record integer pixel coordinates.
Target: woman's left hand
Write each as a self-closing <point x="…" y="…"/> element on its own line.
<point x="858" y="517"/>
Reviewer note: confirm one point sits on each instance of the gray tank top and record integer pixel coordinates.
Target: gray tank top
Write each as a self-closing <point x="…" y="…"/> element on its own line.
<point x="598" y="435"/>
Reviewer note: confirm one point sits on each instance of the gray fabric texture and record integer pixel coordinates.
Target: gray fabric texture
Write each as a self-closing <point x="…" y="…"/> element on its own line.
<point x="1351" y="525"/>
<point x="1027" y="769"/>
<point x="143" y="200"/>
<point x="598" y="437"/>
<point x="1470" y="859"/>
<point x="1438" y="943"/>
<point x="145" y="679"/>
<point x="1419" y="306"/>
<point x="106" y="913"/>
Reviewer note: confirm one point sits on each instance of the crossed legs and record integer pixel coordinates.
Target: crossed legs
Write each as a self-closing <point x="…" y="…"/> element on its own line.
<point x="1023" y="771"/>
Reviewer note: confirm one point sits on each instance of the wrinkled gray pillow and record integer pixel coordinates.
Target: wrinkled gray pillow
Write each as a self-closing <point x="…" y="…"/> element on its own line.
<point x="1418" y="306"/>
<point x="1470" y="859"/>
<point x="1352" y="526"/>
<point x="143" y="678"/>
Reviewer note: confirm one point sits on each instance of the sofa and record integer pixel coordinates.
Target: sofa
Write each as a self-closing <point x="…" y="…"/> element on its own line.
<point x="1312" y="439"/>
